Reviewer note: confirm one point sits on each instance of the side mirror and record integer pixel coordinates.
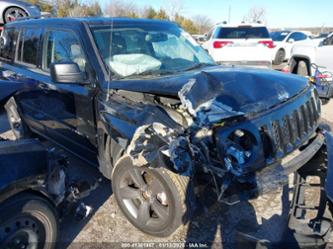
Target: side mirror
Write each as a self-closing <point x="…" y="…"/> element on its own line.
<point x="68" y="72"/>
<point x="291" y="40"/>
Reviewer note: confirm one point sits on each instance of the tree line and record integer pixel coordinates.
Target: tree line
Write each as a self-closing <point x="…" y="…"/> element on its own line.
<point x="198" y="24"/>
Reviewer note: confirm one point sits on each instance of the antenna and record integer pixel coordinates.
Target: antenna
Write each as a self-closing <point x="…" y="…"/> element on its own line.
<point x="229" y="14"/>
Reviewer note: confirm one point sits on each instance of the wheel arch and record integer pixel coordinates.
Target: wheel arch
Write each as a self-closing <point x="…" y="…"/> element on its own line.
<point x="26" y="186"/>
<point x="294" y="60"/>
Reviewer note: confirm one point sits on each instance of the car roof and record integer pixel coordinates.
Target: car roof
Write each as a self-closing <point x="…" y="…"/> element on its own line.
<point x="88" y="20"/>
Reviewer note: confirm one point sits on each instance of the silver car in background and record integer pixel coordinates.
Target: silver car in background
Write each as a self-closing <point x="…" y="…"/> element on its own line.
<point x="11" y="10"/>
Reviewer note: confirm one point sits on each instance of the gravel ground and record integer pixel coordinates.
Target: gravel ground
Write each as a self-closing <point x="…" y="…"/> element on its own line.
<point x="265" y="217"/>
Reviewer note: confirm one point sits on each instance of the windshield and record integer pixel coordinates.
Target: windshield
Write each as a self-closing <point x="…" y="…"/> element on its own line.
<point x="279" y="36"/>
<point x="150" y="49"/>
<point x="244" y="32"/>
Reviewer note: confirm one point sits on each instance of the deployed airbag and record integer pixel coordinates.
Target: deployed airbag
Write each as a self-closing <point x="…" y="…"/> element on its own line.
<point x="131" y="64"/>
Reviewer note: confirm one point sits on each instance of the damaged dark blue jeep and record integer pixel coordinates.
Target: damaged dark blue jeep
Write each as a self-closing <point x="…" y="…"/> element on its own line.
<point x="143" y="102"/>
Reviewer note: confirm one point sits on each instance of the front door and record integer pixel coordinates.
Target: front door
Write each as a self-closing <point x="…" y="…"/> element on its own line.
<point x="63" y="113"/>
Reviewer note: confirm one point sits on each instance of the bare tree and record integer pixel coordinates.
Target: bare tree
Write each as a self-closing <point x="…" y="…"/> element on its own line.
<point x="77" y="11"/>
<point x="121" y="8"/>
<point x="203" y="23"/>
<point x="174" y="7"/>
<point x="256" y="14"/>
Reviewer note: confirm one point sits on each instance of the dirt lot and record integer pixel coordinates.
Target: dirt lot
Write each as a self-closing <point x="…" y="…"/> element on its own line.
<point x="265" y="218"/>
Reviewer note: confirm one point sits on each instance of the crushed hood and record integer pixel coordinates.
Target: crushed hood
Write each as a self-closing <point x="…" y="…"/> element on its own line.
<point x="7" y="88"/>
<point x="242" y="89"/>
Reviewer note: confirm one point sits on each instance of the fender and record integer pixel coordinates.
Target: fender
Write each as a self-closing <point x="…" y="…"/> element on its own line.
<point x="119" y="117"/>
<point x="9" y="88"/>
<point x="23" y="165"/>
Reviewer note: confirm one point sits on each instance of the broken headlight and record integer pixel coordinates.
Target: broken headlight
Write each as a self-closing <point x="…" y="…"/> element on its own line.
<point x="240" y="149"/>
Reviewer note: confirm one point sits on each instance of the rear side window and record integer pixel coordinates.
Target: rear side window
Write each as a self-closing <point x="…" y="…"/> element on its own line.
<point x="241" y="33"/>
<point x="29" y="46"/>
<point x="279" y="36"/>
<point x="8" y="46"/>
<point x="297" y="36"/>
<point x="63" y="46"/>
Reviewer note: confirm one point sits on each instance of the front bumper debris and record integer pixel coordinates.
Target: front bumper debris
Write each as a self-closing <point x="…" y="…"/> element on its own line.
<point x="275" y="176"/>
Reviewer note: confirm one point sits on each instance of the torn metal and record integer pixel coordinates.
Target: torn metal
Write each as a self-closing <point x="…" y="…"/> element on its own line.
<point x="216" y="143"/>
<point x="153" y="140"/>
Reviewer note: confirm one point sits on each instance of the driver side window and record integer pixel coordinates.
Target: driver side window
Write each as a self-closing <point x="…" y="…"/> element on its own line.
<point x="63" y="46"/>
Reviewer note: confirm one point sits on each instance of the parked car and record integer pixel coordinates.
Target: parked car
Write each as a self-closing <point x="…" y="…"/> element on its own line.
<point x="11" y="10"/>
<point x="199" y="38"/>
<point x="283" y="41"/>
<point x="304" y="55"/>
<point x="28" y="210"/>
<point x="243" y="44"/>
<point x="143" y="102"/>
<point x="322" y="35"/>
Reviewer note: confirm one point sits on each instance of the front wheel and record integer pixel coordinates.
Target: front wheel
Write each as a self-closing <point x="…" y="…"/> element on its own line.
<point x="27" y="221"/>
<point x="153" y="200"/>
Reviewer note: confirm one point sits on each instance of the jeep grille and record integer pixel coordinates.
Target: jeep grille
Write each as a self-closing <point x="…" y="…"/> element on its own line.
<point x="295" y="128"/>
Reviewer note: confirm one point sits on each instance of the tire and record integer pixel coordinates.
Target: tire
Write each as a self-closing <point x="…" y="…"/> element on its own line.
<point x="153" y="200"/>
<point x="302" y="68"/>
<point x="324" y="101"/>
<point x="279" y="57"/>
<point x="13" y="13"/>
<point x="27" y="221"/>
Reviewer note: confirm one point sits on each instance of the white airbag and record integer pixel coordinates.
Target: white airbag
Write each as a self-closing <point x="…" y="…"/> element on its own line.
<point x="130" y="64"/>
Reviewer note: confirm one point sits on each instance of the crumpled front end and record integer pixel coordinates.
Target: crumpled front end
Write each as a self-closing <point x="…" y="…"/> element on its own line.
<point x="234" y="147"/>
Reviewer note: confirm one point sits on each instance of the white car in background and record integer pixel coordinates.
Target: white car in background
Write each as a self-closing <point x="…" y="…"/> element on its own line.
<point x="284" y="41"/>
<point x="305" y="54"/>
<point x="243" y="44"/>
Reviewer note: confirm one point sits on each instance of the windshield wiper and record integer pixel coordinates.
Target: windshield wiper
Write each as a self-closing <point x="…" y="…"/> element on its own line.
<point x="150" y="73"/>
<point x="157" y="72"/>
<point x="198" y="65"/>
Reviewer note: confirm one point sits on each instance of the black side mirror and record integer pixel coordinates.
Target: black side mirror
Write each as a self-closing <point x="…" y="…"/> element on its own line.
<point x="67" y="72"/>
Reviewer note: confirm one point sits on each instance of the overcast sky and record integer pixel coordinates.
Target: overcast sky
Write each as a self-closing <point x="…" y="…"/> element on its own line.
<point x="281" y="13"/>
